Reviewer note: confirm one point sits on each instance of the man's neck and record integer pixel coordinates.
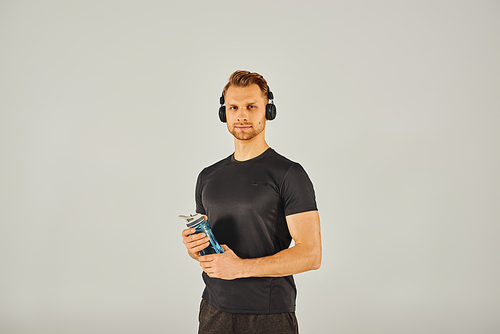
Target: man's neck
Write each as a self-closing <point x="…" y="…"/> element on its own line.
<point x="249" y="149"/>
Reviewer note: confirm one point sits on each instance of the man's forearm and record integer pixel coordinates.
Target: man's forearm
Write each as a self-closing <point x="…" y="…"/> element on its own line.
<point x="291" y="261"/>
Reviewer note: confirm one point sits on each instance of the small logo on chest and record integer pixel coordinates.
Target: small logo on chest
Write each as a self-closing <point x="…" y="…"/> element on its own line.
<point x="259" y="183"/>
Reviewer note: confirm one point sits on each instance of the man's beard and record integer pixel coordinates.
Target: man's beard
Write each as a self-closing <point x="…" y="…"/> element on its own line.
<point x="249" y="134"/>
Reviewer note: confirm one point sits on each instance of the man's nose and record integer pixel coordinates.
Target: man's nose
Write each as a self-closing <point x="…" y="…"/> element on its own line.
<point x="241" y="115"/>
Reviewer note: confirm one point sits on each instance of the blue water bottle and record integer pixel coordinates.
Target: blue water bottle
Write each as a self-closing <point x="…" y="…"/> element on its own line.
<point x="199" y="223"/>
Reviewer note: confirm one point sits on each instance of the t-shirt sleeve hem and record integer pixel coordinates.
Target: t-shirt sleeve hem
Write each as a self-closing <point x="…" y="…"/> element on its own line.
<point x="301" y="209"/>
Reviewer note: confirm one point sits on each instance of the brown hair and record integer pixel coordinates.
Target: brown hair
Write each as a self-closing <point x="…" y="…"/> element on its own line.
<point x="245" y="79"/>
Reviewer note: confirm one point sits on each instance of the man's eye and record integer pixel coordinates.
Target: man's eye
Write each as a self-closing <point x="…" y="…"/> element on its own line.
<point x="251" y="107"/>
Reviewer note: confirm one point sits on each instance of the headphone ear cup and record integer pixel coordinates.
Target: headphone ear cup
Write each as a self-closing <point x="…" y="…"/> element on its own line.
<point x="222" y="114"/>
<point x="270" y="111"/>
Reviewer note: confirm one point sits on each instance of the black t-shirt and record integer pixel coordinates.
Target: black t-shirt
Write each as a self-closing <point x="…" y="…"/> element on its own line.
<point x="246" y="203"/>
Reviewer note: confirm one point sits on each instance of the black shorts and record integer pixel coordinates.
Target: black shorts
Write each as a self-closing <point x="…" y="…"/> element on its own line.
<point x="213" y="321"/>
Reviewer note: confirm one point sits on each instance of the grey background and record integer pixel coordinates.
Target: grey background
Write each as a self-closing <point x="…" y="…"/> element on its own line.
<point x="109" y="111"/>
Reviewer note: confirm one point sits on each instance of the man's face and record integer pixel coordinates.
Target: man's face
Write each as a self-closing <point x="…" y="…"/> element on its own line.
<point x="245" y="111"/>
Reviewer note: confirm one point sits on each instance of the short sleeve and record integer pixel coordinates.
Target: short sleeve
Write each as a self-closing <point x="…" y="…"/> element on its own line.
<point x="298" y="191"/>
<point x="198" y="195"/>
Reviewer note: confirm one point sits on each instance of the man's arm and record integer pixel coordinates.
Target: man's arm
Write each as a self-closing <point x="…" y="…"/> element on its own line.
<point x="303" y="256"/>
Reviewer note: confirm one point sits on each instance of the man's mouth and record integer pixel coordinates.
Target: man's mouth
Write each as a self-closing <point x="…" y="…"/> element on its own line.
<point x="242" y="127"/>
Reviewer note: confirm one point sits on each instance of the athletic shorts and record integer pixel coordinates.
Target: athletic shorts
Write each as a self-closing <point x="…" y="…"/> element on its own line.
<point x="213" y="321"/>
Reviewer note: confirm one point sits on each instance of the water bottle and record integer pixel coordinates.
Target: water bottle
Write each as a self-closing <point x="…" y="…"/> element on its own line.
<point x="202" y="225"/>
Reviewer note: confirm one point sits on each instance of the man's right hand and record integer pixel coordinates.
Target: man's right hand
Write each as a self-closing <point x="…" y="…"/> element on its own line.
<point x="194" y="242"/>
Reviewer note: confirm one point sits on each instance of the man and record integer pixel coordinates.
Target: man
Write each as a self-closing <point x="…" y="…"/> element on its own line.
<point x="257" y="201"/>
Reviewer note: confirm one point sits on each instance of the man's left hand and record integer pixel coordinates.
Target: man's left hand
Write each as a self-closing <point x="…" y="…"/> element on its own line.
<point x="225" y="265"/>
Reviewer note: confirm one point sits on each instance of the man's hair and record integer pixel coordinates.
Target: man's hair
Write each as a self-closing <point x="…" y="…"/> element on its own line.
<point x="245" y="79"/>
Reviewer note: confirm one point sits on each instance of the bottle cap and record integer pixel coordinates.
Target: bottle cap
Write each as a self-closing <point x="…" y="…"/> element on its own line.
<point x="192" y="220"/>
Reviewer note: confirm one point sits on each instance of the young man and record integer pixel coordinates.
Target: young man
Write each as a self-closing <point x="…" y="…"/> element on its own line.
<point x="257" y="201"/>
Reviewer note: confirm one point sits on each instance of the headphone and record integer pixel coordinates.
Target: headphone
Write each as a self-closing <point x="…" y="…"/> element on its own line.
<point x="270" y="107"/>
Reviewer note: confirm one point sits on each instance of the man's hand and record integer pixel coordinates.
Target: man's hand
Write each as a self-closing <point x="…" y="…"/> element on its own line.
<point x="225" y="265"/>
<point x="194" y="242"/>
